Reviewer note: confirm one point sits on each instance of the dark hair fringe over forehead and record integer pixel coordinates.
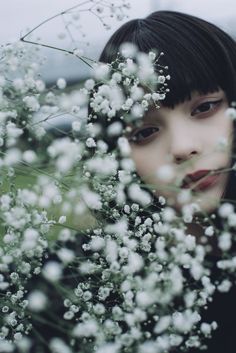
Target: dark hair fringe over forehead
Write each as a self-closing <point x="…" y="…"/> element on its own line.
<point x="200" y="56"/>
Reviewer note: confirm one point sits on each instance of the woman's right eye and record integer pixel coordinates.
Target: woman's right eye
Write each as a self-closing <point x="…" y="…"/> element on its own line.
<point x="143" y="135"/>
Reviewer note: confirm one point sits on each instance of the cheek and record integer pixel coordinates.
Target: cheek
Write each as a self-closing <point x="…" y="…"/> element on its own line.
<point x="224" y="125"/>
<point x="221" y="135"/>
<point x="148" y="159"/>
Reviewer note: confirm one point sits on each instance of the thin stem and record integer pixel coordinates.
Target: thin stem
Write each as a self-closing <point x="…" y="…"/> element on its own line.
<point x="52" y="18"/>
<point x="23" y="38"/>
<point x="82" y="58"/>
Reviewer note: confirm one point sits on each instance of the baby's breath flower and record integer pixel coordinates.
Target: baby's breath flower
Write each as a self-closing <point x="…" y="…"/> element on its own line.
<point x="37" y="301"/>
<point x="52" y="271"/>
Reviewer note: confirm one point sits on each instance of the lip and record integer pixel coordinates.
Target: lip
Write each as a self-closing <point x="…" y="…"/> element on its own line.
<point x="208" y="180"/>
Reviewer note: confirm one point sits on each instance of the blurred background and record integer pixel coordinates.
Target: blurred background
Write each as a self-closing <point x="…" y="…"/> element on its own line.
<point x="87" y="32"/>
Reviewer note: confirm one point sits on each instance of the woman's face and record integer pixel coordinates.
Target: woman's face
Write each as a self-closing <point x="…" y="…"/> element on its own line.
<point x="195" y="137"/>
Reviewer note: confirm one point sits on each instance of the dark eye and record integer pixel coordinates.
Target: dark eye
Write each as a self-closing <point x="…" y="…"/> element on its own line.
<point x="143" y="135"/>
<point x="206" y="107"/>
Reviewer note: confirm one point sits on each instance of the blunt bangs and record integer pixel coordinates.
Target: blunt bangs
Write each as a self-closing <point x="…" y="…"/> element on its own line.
<point x="200" y="57"/>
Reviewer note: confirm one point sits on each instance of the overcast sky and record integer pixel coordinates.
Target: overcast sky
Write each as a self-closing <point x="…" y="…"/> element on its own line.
<point x="17" y="15"/>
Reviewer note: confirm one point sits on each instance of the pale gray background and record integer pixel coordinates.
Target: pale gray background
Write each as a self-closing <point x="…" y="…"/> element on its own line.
<point x="18" y="15"/>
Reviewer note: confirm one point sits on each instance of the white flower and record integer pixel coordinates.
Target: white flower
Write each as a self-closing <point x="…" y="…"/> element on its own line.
<point x="57" y="345"/>
<point x="232" y="220"/>
<point x="139" y="195"/>
<point x="184" y="196"/>
<point x="90" y="142"/>
<point x="103" y="165"/>
<point x="6" y="346"/>
<point x="101" y="71"/>
<point x="206" y="328"/>
<point x="162" y="324"/>
<point x="62" y="219"/>
<point x="128" y="50"/>
<point x="231" y="113"/>
<point x="31" y="237"/>
<point x="124" y="146"/>
<point x="162" y="200"/>
<point x="12" y="157"/>
<point x="135" y="263"/>
<point x="225" y="241"/>
<point x="161" y="79"/>
<point x="91" y="199"/>
<point x="225" y="210"/>
<point x="209" y="231"/>
<point x="61" y="83"/>
<point x="115" y="129"/>
<point x="29" y="156"/>
<point x="119" y="228"/>
<point x="37" y="300"/>
<point x="165" y="173"/>
<point x="86" y="329"/>
<point x="66" y="255"/>
<point x="78" y="52"/>
<point x="39" y="85"/>
<point x="97" y="243"/>
<point x="31" y="103"/>
<point x="144" y="299"/>
<point x="224" y="286"/>
<point x="52" y="271"/>
<point x="137" y="110"/>
<point x="168" y="214"/>
<point x="76" y="126"/>
<point x="108" y="348"/>
<point x="89" y="84"/>
<point x="222" y="144"/>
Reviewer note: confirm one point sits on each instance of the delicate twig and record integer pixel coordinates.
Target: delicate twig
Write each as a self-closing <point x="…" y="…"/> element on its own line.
<point x="52" y="18"/>
<point x="82" y="58"/>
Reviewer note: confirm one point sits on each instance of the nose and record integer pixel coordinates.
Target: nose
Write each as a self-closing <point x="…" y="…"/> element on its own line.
<point x="184" y="144"/>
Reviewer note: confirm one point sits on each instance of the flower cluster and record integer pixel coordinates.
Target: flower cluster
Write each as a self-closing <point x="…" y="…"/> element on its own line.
<point x="89" y="259"/>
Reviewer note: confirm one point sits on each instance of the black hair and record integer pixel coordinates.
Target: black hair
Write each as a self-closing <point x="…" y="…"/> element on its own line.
<point x="199" y="55"/>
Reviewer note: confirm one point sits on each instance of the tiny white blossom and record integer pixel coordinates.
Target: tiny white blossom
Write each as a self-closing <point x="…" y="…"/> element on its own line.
<point x="61" y="83"/>
<point x="225" y="210"/>
<point x="37" y="300"/>
<point x="209" y="231"/>
<point x="231" y="113"/>
<point x="225" y="241"/>
<point x="90" y="142"/>
<point x="224" y="286"/>
<point x="76" y="126"/>
<point x="128" y="50"/>
<point x="165" y="173"/>
<point x="29" y="156"/>
<point x="222" y="144"/>
<point x="31" y="103"/>
<point x="62" y="219"/>
<point x="89" y="84"/>
<point x="52" y="271"/>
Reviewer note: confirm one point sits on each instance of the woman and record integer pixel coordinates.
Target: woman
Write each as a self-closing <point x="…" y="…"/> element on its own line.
<point x="201" y="62"/>
<point x="190" y="135"/>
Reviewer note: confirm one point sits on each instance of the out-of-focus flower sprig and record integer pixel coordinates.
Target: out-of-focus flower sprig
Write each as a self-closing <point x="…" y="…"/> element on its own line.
<point x="104" y="11"/>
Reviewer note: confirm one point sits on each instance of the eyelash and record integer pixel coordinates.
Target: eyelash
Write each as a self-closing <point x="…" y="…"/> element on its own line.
<point x="214" y="103"/>
<point x="134" y="137"/>
<point x="143" y="140"/>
